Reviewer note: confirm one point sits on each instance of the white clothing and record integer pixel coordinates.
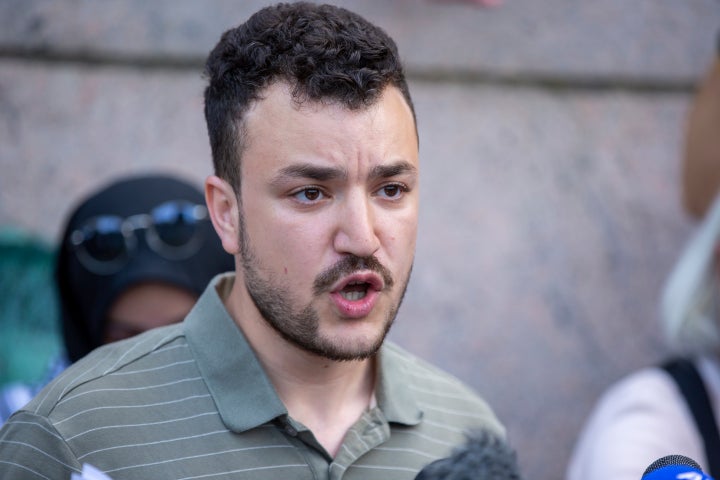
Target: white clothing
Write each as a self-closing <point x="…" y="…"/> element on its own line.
<point x="639" y="419"/>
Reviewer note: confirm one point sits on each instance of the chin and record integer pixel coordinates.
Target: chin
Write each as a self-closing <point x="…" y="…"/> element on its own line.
<point x="347" y="355"/>
<point x="347" y="349"/>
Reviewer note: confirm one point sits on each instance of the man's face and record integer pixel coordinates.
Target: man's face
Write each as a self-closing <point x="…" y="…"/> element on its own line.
<point x="329" y="209"/>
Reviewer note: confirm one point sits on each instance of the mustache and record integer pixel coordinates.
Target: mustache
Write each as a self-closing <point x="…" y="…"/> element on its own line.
<point x="347" y="265"/>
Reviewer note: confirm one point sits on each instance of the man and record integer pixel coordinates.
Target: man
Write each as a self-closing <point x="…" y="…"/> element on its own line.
<point x="281" y="370"/>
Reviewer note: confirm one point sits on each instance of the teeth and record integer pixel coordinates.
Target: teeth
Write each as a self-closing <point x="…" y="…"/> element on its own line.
<point x="352" y="295"/>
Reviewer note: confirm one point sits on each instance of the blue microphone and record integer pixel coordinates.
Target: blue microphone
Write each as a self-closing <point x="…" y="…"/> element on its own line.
<point x="675" y="467"/>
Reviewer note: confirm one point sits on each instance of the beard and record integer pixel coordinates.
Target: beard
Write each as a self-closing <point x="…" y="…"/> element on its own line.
<point x="301" y="326"/>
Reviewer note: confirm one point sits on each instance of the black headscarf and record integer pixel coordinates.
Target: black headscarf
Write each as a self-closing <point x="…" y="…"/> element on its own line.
<point x="85" y="297"/>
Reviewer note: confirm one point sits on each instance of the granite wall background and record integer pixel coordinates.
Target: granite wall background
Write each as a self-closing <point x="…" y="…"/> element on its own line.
<point x="550" y="132"/>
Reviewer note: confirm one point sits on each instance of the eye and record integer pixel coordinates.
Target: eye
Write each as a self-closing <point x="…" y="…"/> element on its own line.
<point x="392" y="191"/>
<point x="309" y="195"/>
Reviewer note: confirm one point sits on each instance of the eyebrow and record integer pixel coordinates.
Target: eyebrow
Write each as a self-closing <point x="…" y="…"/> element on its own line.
<point x="314" y="172"/>
<point x="392" y="170"/>
<point x="322" y="174"/>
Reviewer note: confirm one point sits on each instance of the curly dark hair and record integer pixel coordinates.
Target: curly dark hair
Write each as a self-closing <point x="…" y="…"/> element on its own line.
<point x="325" y="53"/>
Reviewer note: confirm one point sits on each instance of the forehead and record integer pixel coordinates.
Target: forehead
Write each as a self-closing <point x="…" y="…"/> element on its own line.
<point x="280" y="129"/>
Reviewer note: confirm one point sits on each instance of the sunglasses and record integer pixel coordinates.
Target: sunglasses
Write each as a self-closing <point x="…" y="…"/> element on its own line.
<point x="105" y="243"/>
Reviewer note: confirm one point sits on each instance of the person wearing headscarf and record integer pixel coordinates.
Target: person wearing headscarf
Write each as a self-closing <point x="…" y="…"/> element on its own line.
<point x="134" y="255"/>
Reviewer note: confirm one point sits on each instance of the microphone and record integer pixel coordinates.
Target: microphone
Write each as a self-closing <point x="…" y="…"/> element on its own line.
<point x="673" y="467"/>
<point x="483" y="456"/>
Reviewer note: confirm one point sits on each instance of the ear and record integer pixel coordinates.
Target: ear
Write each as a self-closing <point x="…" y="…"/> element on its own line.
<point x="224" y="212"/>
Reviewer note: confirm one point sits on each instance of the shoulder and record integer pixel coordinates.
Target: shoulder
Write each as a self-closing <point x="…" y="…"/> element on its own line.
<point x="637" y="420"/>
<point x="30" y="447"/>
<point x="650" y="388"/>
<point x="443" y="397"/>
<point x="102" y="368"/>
<point x="422" y="372"/>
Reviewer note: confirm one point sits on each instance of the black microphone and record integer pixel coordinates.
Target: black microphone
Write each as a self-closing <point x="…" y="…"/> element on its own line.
<point x="672" y="467"/>
<point x="483" y="456"/>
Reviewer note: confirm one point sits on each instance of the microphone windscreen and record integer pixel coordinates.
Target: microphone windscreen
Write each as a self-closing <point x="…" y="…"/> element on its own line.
<point x="483" y="456"/>
<point x="673" y="467"/>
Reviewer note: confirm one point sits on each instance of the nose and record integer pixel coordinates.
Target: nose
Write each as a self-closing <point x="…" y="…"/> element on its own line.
<point x="356" y="231"/>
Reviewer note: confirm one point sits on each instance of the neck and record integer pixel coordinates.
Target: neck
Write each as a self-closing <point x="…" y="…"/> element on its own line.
<point x="326" y="396"/>
<point x="325" y="393"/>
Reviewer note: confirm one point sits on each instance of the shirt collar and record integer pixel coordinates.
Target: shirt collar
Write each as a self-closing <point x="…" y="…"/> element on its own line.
<point x="244" y="396"/>
<point x="242" y="392"/>
<point x="394" y="397"/>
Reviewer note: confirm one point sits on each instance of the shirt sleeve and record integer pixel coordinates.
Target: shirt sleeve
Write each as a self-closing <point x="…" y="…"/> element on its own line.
<point x="31" y="448"/>
<point x="638" y="420"/>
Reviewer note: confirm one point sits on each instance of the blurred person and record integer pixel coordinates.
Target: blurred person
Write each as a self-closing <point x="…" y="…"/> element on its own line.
<point x="281" y="370"/>
<point x="672" y="408"/>
<point x="701" y="166"/>
<point x="134" y="255"/>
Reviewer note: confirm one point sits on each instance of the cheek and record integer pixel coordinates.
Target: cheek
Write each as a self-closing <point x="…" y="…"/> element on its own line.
<point x="399" y="248"/>
<point x="400" y="235"/>
<point x="295" y="250"/>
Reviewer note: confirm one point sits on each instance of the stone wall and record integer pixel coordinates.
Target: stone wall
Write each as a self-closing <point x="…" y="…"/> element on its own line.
<point x="550" y="132"/>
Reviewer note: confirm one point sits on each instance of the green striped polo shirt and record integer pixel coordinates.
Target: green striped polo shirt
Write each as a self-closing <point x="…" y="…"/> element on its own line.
<point x="191" y="401"/>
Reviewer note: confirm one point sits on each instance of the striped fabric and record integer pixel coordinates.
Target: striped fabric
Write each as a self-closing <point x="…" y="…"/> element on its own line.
<point x="190" y="401"/>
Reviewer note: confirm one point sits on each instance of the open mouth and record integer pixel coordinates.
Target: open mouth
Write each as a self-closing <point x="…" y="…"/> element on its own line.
<point x="356" y="295"/>
<point x="354" y="290"/>
<point x="358" y="286"/>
